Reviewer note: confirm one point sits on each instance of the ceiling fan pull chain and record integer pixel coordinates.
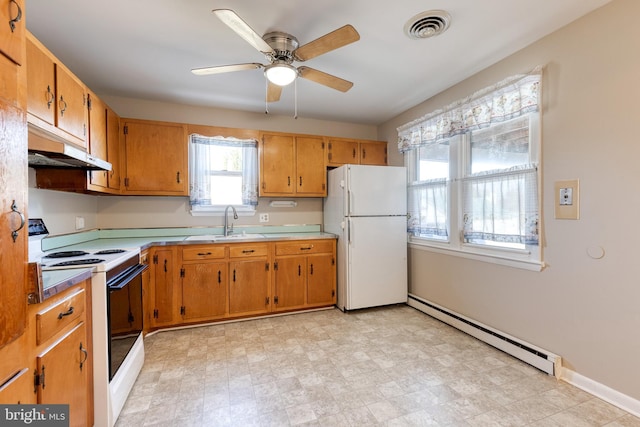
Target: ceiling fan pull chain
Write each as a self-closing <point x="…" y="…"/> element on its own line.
<point x="266" y="96"/>
<point x="295" y="99"/>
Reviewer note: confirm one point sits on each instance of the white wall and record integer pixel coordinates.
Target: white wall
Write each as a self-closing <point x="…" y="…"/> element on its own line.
<point x="586" y="310"/>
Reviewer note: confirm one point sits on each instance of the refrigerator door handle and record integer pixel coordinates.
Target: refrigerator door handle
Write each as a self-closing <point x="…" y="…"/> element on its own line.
<point x="349" y="231"/>
<point x="348" y="202"/>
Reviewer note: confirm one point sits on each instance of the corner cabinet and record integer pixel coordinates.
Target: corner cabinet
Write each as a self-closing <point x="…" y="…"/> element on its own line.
<point x="292" y="166"/>
<point x="155" y="158"/>
<point x="161" y="292"/>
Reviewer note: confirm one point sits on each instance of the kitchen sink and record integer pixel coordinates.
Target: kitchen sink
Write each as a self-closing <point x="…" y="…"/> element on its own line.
<point x="221" y="238"/>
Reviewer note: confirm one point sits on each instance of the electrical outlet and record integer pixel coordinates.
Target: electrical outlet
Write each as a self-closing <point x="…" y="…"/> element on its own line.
<point x="264" y="217"/>
<point x="79" y="222"/>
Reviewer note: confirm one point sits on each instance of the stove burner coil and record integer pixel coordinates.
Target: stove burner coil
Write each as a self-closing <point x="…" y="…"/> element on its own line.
<point x="78" y="262"/>
<point x="109" y="251"/>
<point x="66" y="254"/>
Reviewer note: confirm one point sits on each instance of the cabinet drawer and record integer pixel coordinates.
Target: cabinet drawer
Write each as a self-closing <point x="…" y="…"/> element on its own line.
<point x="203" y="252"/>
<point x="248" y="250"/>
<point x="304" y="247"/>
<point x="53" y="319"/>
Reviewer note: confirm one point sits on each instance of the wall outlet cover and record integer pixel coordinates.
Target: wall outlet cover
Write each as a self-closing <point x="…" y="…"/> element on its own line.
<point x="567" y="199"/>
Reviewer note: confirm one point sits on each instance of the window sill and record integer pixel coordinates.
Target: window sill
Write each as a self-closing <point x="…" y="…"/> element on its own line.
<point x="216" y="211"/>
<point x="494" y="257"/>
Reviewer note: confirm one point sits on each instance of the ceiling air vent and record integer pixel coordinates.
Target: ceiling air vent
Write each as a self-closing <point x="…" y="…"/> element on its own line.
<point x="427" y="24"/>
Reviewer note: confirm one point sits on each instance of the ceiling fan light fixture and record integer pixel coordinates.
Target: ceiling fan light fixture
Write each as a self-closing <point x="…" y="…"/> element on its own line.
<point x="280" y="74"/>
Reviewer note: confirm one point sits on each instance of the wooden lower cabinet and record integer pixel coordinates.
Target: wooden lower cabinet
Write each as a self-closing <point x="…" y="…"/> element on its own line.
<point x="200" y="283"/>
<point x="162" y="293"/>
<point x="62" y="359"/>
<point x="304" y="274"/>
<point x="63" y="371"/>
<point x="249" y="279"/>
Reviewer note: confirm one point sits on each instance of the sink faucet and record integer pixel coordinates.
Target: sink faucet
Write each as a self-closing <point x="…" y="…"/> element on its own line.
<point x="228" y="229"/>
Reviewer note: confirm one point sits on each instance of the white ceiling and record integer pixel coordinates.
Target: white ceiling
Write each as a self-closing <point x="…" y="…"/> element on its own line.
<point x="146" y="48"/>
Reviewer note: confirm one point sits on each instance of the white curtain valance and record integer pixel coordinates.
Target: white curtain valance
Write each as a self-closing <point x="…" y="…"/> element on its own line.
<point x="513" y="97"/>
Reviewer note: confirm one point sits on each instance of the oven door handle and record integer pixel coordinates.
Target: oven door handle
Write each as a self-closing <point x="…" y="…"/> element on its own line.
<point x="123" y="280"/>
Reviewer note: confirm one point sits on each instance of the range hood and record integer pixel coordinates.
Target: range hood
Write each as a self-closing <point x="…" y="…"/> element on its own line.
<point x="46" y="153"/>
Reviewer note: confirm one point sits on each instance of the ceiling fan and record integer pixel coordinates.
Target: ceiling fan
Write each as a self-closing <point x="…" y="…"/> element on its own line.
<point x="281" y="50"/>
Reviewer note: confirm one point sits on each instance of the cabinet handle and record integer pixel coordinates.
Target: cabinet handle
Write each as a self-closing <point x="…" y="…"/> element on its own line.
<point x="204" y="253"/>
<point x="308" y="248"/>
<point x="300" y="181"/>
<point x="165" y="265"/>
<point x="299" y="270"/>
<point x="234" y="274"/>
<point x="288" y="181"/>
<point x="354" y="153"/>
<point x="86" y="355"/>
<point x="219" y="277"/>
<point x="63" y="106"/>
<point x="14" y="209"/>
<point x="364" y="153"/>
<point x="248" y="251"/>
<point x="13" y="21"/>
<point x="66" y="313"/>
<point x="311" y="269"/>
<point x="50" y="97"/>
<point x="178" y="177"/>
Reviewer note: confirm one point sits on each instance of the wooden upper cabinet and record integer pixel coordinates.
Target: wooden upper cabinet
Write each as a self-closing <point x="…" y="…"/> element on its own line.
<point x="342" y="152"/>
<point x="292" y="166"/>
<point x="12" y="29"/>
<point x="358" y="152"/>
<point x="311" y="175"/>
<point x="373" y="153"/>
<point x="56" y="99"/>
<point x="155" y="156"/>
<point x="98" y="137"/>
<point x="113" y="149"/>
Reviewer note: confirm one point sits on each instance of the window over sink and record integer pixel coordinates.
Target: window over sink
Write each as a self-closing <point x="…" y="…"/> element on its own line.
<point x="222" y="171"/>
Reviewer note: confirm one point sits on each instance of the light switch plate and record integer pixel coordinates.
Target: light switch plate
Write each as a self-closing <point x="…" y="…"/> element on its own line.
<point x="567" y="199"/>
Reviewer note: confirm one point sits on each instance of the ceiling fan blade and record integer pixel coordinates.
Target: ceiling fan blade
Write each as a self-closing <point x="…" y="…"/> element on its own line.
<point x="330" y="41"/>
<point x="325" y="79"/>
<point x="273" y="92"/>
<point x="233" y="21"/>
<point x="225" y="68"/>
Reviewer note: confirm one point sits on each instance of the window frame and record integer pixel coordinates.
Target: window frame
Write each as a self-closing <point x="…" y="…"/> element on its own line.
<point x="529" y="258"/>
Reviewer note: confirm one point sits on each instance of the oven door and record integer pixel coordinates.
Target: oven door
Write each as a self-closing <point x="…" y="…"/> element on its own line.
<point x="124" y="311"/>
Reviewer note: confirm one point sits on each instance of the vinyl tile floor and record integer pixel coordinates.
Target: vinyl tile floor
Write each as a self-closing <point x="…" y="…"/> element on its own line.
<point x="391" y="366"/>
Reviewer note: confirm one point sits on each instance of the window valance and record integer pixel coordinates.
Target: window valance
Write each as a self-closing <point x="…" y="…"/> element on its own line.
<point x="513" y="97"/>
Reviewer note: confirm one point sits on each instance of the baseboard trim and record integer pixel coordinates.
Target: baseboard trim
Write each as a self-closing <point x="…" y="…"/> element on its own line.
<point x="601" y="391"/>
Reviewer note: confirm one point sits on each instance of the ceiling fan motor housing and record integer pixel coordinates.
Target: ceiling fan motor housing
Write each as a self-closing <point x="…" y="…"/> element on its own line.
<point x="283" y="45"/>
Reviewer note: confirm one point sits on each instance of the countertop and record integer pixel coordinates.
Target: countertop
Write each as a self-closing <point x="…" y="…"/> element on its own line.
<point x="56" y="281"/>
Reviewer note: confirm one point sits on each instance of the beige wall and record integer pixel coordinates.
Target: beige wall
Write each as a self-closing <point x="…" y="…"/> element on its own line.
<point x="586" y="310"/>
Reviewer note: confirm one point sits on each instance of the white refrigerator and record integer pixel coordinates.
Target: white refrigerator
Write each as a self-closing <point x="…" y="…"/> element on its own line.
<point x="366" y="207"/>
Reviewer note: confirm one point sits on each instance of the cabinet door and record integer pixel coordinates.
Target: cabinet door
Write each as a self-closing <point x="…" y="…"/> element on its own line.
<point x="248" y="287"/>
<point x="204" y="291"/>
<point x="277" y="165"/>
<point x="13" y="232"/>
<point x="290" y="279"/>
<point x="311" y="174"/>
<point x="341" y="152"/>
<point x="71" y="99"/>
<point x="98" y="137"/>
<point x="12" y="29"/>
<point x="155" y="158"/>
<point x="41" y="83"/>
<point x="373" y="153"/>
<point x="19" y="389"/>
<point x="321" y="279"/>
<point x="113" y="149"/>
<point x="63" y="369"/>
<point x="163" y="296"/>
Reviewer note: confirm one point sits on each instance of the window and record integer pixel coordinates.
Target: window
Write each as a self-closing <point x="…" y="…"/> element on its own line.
<point x="473" y="174"/>
<point x="222" y="171"/>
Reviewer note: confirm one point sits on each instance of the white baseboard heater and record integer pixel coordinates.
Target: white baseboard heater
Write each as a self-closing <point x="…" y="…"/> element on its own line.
<point x="529" y="353"/>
